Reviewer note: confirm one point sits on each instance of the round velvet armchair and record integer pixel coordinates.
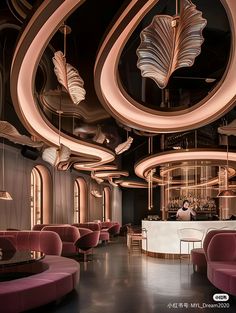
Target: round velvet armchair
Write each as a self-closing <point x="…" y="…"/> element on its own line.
<point x="86" y="243"/>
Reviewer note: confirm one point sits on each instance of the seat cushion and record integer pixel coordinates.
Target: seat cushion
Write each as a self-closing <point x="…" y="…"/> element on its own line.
<point x="198" y="257"/>
<point x="223" y="275"/>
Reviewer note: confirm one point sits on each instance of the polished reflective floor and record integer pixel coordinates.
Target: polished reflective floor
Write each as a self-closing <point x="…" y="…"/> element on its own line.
<point x="120" y="282"/>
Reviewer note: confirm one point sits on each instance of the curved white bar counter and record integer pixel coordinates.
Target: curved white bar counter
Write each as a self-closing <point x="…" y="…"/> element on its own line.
<point x="163" y="239"/>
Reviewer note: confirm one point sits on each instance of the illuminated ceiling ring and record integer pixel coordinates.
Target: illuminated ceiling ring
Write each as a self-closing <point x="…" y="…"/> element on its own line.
<point x="144" y="166"/>
<point x="209" y="182"/>
<point x="30" y="47"/>
<point x="130" y="112"/>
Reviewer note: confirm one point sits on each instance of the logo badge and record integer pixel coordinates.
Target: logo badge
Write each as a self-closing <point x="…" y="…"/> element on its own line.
<point x="220" y="297"/>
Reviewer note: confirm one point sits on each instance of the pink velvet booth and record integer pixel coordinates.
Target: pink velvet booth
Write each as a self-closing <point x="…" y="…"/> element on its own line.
<point x="221" y="262"/>
<point x="198" y="255"/>
<point x="47" y="242"/>
<point x="59" y="276"/>
<point x="104" y="235"/>
<point x="69" y="235"/>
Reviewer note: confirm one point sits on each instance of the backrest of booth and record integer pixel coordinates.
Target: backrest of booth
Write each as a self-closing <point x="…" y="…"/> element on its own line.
<point x="48" y="242"/>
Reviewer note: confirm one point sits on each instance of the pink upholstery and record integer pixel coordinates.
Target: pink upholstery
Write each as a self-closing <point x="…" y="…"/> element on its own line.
<point x="198" y="255"/>
<point x="104" y="235"/>
<point x="221" y="262"/>
<point x="222" y="247"/>
<point x="41" y="226"/>
<point x="68" y="234"/>
<point x="107" y="224"/>
<point x="60" y="278"/>
<point x="86" y="243"/>
<point x="47" y="242"/>
<point x="84" y="231"/>
<point x="90" y="225"/>
<point x="114" y="230"/>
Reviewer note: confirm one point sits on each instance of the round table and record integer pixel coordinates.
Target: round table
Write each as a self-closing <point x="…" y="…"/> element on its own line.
<point x="18" y="264"/>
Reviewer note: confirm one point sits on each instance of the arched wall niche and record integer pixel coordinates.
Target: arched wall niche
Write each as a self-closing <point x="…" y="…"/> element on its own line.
<point x="47" y="193"/>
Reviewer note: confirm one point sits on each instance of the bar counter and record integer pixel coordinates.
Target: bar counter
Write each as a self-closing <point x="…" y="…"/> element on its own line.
<point x="163" y="239"/>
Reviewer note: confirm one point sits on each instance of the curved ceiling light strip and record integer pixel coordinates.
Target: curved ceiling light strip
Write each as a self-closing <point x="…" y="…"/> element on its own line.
<point x="132" y="113"/>
<point x="143" y="167"/>
<point x="132" y="184"/>
<point x="85" y="167"/>
<point x="30" y="47"/>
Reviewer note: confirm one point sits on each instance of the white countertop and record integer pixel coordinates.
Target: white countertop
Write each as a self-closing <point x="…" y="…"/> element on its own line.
<point x="163" y="235"/>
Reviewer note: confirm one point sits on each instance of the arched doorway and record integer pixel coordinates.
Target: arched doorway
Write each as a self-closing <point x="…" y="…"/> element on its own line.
<point x="41" y="195"/>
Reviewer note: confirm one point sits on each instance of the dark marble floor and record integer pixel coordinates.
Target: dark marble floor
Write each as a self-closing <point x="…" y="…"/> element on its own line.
<point x="119" y="282"/>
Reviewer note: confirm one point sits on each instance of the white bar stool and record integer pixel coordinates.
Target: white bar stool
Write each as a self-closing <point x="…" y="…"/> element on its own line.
<point x="189" y="235"/>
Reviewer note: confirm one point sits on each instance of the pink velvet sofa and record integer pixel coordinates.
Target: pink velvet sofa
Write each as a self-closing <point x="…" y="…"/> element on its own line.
<point x="59" y="276"/>
<point x="68" y="234"/>
<point x="199" y="255"/>
<point x="221" y="262"/>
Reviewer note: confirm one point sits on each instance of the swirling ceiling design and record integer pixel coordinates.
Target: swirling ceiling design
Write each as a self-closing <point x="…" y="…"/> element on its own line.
<point x="144" y="166"/>
<point x="30" y="47"/>
<point x="130" y="112"/>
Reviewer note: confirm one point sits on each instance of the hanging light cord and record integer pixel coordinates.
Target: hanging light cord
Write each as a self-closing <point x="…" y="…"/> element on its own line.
<point x="3" y="167"/>
<point x="177" y="7"/>
<point x="59" y="128"/>
<point x="227" y="162"/>
<point x="64" y="40"/>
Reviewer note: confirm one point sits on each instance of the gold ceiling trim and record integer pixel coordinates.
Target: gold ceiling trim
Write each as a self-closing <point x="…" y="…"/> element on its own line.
<point x="128" y="111"/>
<point x="42" y="26"/>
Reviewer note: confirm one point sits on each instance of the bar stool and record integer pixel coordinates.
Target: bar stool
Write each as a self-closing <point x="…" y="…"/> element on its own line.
<point x="135" y="238"/>
<point x="189" y="235"/>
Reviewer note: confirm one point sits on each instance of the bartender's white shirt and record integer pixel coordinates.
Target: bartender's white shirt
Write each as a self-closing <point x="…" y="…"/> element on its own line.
<point x="182" y="215"/>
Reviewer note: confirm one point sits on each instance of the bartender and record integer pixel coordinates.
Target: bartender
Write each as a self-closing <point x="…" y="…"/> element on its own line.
<point x="185" y="213"/>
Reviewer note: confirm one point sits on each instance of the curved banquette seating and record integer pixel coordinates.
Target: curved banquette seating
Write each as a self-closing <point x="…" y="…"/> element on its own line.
<point x="198" y="255"/>
<point x="68" y="234"/>
<point x="59" y="277"/>
<point x="221" y="262"/>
